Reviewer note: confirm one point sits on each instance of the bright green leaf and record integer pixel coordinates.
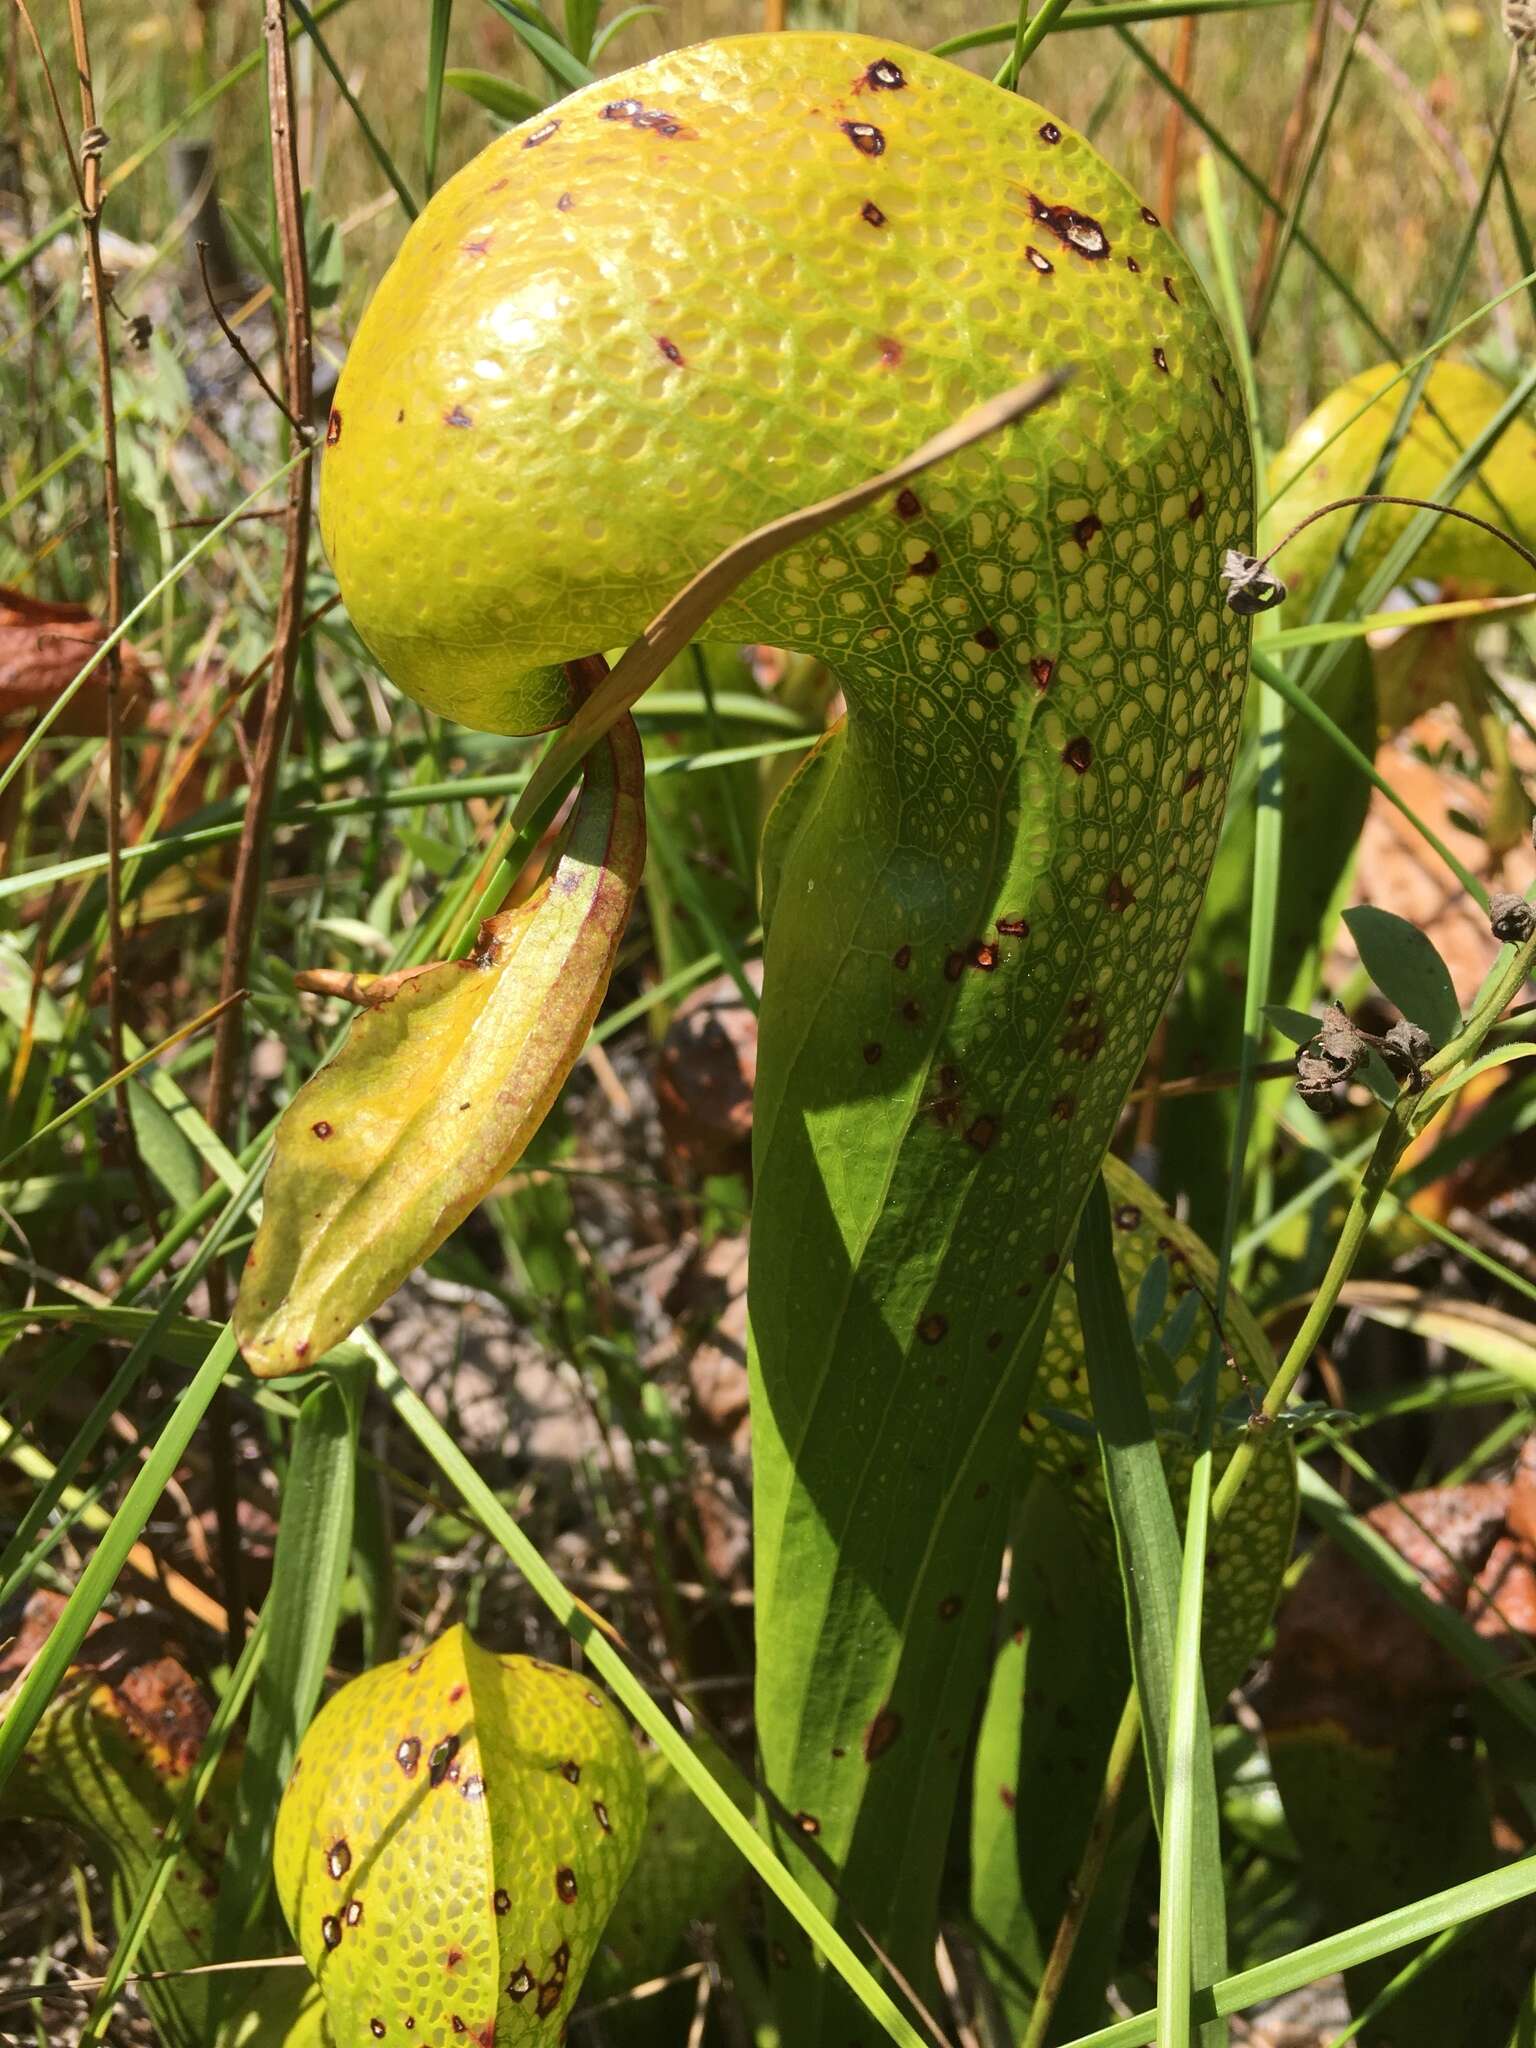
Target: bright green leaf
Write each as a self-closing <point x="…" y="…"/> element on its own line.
<point x="1402" y="961"/>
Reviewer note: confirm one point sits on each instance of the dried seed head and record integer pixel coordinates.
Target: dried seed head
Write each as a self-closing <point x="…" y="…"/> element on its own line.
<point x="1411" y="1042"/>
<point x="1339" y="1045"/>
<point x="1510" y="918"/>
<point x="1250" y="587"/>
<point x="1520" y="27"/>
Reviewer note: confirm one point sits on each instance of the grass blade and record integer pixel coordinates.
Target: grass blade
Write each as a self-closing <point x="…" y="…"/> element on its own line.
<point x="1359" y="1944"/>
<point x="432" y="106"/>
<point x="309" y="1569"/>
<point x="1165" y="1660"/>
<point x="100" y="1575"/>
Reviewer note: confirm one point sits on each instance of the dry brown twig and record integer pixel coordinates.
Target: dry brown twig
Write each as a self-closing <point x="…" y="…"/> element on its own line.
<point x="1296" y="122"/>
<point x="300" y="428"/>
<point x="245" y="891"/>
<point x="297" y="392"/>
<point x="1173" y="120"/>
<point x="93" y="142"/>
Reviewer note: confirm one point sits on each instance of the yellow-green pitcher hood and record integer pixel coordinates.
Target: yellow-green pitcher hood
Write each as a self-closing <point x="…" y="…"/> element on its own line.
<point x="700" y="294"/>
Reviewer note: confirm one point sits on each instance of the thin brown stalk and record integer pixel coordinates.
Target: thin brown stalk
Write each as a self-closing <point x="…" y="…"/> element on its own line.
<point x="247" y="358"/>
<point x="1173" y="122"/>
<point x="59" y="115"/>
<point x="1296" y="124"/>
<point x="297" y="392"/>
<point x="92" y="143"/>
<point x="245" y="892"/>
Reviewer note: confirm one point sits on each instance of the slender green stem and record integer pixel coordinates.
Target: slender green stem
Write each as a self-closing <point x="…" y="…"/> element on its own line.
<point x="1397" y="1134"/>
<point x="1358" y="1944"/>
<point x="1123" y="1751"/>
<point x="1030" y="31"/>
<point x="379" y="153"/>
<point x="1114" y="13"/>
<point x="109" y="1557"/>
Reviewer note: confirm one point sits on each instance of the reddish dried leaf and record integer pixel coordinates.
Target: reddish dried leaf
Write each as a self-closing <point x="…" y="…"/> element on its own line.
<point x="44" y="646"/>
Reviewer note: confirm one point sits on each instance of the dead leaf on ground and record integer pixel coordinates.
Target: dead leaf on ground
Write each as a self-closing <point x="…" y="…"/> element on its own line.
<point x="44" y="646"/>
<point x="705" y="1076"/>
<point x="1345" y="1652"/>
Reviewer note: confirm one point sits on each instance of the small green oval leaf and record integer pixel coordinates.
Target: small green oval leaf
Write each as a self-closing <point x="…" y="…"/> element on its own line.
<point x="1403" y="963"/>
<point x="499" y="96"/>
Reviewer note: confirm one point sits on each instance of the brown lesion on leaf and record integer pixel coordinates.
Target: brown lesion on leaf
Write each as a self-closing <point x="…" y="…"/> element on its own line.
<point x="865" y="137"/>
<point x="1083" y="1039"/>
<point x="648" y="120"/>
<point x="1079" y="231"/>
<point x="881" y="1733"/>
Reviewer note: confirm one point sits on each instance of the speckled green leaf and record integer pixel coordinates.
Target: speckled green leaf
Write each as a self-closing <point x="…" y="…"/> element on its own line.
<point x="454" y="1835"/>
<point x="1249" y="1553"/>
<point x="686" y="1871"/>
